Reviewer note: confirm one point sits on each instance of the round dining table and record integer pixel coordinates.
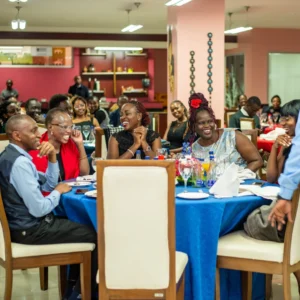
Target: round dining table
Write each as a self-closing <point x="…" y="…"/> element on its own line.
<point x="199" y="224"/>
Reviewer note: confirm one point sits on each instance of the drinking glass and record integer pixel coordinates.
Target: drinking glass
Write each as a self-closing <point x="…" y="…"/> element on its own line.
<point x="162" y="152"/>
<point x="185" y="169"/>
<point x="86" y="129"/>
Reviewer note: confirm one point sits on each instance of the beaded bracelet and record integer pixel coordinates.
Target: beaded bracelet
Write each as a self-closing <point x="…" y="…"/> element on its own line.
<point x="130" y="151"/>
<point x="81" y="158"/>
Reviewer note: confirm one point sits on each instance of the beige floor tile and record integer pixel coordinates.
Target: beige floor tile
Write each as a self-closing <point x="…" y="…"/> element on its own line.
<point x="278" y="291"/>
<point x="26" y="285"/>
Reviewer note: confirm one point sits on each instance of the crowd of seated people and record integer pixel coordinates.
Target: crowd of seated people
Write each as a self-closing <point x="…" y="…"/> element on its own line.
<point x="60" y="155"/>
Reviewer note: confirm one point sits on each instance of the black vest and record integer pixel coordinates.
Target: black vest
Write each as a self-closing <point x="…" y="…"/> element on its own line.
<point x="17" y="213"/>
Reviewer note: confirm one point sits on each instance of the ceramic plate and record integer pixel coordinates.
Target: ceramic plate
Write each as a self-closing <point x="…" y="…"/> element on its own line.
<point x="193" y="195"/>
<point x="79" y="183"/>
<point x="92" y="194"/>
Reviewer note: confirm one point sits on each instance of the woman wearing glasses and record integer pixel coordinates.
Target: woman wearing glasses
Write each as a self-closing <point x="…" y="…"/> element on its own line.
<point x="288" y="120"/>
<point x="227" y="144"/>
<point x="68" y="144"/>
<point x="81" y="114"/>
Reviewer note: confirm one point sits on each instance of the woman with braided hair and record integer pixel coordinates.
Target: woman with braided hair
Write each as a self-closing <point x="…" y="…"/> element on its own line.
<point x="135" y="136"/>
<point x="227" y="144"/>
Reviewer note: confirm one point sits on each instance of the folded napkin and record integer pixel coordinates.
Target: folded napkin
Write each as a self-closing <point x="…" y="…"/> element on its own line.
<point x="244" y="173"/>
<point x="227" y="184"/>
<point x="272" y="135"/>
<point x="268" y="192"/>
<point x="87" y="178"/>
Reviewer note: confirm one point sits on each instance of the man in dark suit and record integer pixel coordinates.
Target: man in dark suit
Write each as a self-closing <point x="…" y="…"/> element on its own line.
<point x="78" y="88"/>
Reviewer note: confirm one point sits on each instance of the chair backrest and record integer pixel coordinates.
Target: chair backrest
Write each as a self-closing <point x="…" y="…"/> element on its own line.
<point x="251" y="134"/>
<point x="219" y="123"/>
<point x="42" y="128"/>
<point x="100" y="146"/>
<point x="292" y="234"/>
<point x="3" y="141"/>
<point x="136" y="228"/>
<point x="247" y="123"/>
<point x="227" y="115"/>
<point x="5" y="241"/>
<point x="109" y="131"/>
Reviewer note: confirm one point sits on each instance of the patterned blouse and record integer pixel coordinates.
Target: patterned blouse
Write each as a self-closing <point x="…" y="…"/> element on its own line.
<point x="224" y="149"/>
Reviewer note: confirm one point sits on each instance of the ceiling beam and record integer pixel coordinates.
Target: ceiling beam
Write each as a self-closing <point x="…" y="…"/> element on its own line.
<point x="91" y="36"/>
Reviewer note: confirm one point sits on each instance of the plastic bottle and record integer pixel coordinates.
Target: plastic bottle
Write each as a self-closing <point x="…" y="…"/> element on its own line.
<point x="211" y="176"/>
<point x="138" y="154"/>
<point x="199" y="174"/>
<point x="147" y="157"/>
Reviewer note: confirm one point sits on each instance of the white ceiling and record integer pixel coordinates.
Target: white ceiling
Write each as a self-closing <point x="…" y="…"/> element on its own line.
<point x="109" y="16"/>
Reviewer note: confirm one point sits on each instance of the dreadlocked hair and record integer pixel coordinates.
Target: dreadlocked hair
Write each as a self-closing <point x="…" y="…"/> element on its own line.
<point x="197" y="103"/>
<point x="140" y="108"/>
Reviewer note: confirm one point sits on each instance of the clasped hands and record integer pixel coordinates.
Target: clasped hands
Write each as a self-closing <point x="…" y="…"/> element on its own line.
<point x="139" y="135"/>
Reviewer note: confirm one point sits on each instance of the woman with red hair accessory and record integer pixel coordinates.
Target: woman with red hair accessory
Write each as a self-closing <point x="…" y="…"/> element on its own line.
<point x="135" y="136"/>
<point x="227" y="144"/>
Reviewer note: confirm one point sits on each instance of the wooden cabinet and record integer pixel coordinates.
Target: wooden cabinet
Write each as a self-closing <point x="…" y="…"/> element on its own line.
<point x="118" y="72"/>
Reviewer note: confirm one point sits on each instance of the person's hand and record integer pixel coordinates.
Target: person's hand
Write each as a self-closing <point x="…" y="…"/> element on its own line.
<point x="76" y="136"/>
<point x="46" y="149"/>
<point x="137" y="139"/>
<point x="282" y="209"/>
<point x="63" y="188"/>
<point x="283" y="140"/>
<point x="142" y="131"/>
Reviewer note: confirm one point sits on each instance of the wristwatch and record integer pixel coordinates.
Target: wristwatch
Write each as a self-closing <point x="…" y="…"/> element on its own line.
<point x="148" y="149"/>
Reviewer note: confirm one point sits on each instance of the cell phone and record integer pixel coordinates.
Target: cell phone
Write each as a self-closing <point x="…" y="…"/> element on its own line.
<point x="81" y="191"/>
<point x="258" y="183"/>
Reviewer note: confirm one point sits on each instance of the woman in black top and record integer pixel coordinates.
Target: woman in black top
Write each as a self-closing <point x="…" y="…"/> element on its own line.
<point x="135" y="136"/>
<point x="178" y="129"/>
<point x="275" y="110"/>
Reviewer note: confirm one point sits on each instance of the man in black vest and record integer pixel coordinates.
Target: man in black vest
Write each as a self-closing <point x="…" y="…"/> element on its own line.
<point x="29" y="213"/>
<point x="78" y="88"/>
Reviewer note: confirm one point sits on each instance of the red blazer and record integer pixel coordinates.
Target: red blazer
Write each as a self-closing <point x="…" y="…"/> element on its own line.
<point x="69" y="155"/>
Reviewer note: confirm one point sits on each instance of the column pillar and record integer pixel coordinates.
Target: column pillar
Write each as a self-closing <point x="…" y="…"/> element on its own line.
<point x="197" y="26"/>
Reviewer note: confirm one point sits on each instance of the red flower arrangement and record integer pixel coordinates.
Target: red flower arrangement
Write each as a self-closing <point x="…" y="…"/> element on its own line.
<point x="195" y="103"/>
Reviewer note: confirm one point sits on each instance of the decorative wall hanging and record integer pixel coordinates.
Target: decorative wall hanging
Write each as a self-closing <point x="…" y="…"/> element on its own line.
<point x="210" y="65"/>
<point x="192" y="69"/>
<point x="171" y="67"/>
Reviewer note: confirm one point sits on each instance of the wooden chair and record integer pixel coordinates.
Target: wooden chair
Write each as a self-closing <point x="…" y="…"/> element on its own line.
<point x="227" y="115"/>
<point x="15" y="256"/>
<point x="136" y="231"/>
<point x="251" y="135"/>
<point x="247" y="123"/>
<point x="100" y="146"/>
<point x="42" y="128"/>
<point x="219" y="123"/>
<point x="3" y="141"/>
<point x="237" y="251"/>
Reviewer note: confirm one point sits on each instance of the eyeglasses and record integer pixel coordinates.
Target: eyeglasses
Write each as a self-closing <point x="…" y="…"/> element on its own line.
<point x="208" y="122"/>
<point x="65" y="127"/>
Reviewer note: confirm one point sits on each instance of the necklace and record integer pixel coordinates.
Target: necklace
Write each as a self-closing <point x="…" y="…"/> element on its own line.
<point x="177" y="125"/>
<point x="214" y="142"/>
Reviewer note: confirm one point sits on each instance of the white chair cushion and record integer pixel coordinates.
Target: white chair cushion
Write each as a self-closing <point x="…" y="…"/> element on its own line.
<point x="181" y="262"/>
<point x="239" y="244"/>
<point x="21" y="250"/>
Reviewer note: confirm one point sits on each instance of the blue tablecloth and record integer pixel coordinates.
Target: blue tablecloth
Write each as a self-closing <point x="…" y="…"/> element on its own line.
<point x="199" y="224"/>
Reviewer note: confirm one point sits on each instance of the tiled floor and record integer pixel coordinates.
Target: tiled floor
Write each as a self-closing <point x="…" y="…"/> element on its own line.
<point x="27" y="286"/>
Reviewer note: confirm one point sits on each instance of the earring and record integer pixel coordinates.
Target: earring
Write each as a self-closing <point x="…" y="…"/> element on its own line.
<point x="51" y="132"/>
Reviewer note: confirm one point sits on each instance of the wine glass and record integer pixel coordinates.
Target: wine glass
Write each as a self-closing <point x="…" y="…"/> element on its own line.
<point x="86" y="129"/>
<point x="185" y="169"/>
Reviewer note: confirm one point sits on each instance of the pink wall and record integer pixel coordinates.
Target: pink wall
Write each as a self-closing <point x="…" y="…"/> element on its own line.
<point x="191" y="24"/>
<point x="41" y="82"/>
<point x="256" y="45"/>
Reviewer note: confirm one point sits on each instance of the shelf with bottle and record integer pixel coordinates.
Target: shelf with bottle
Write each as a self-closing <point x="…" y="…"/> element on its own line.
<point x="94" y="54"/>
<point x="112" y="73"/>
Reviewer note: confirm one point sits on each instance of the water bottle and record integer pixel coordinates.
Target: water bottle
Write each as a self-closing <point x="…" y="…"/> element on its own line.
<point x="211" y="176"/>
<point x="199" y="174"/>
<point x="92" y="136"/>
<point x="147" y="157"/>
<point x="138" y="154"/>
